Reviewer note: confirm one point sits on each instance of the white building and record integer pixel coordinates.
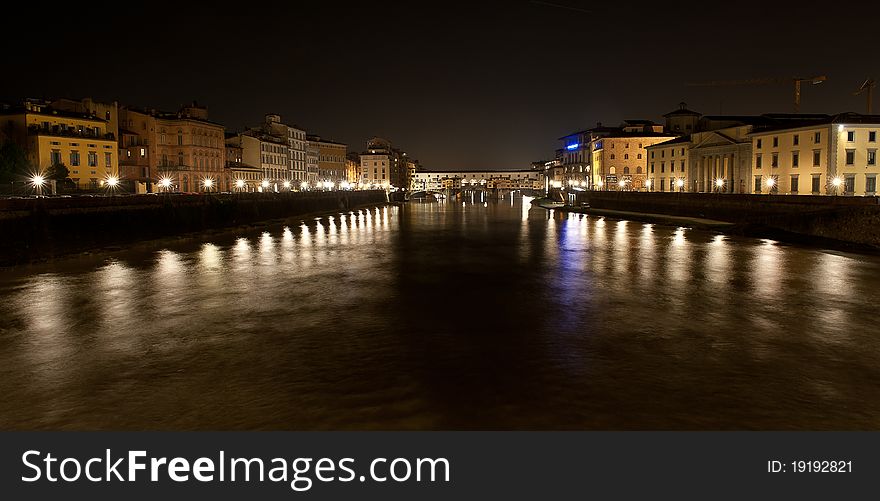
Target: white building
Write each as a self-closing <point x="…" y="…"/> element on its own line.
<point x="296" y="147"/>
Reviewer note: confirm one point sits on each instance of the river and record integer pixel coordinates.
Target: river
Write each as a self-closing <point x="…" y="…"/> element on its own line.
<point x="445" y="316"/>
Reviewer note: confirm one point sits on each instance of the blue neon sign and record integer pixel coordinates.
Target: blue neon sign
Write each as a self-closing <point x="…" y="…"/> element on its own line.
<point x="572" y="146"/>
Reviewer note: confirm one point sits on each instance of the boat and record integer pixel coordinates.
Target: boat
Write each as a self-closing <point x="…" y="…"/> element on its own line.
<point x="553" y="200"/>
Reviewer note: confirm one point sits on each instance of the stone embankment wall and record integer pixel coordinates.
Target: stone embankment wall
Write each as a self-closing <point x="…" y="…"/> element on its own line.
<point x="847" y="219"/>
<point x="38" y="228"/>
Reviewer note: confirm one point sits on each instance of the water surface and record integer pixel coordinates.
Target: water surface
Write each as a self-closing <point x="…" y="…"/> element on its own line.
<point x="446" y="316"/>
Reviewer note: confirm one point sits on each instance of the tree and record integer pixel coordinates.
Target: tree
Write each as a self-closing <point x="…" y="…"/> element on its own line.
<point x="14" y="165"/>
<point x="58" y="172"/>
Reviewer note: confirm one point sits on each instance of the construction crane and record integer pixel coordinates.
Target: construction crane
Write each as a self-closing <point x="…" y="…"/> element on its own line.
<point x="764" y="81"/>
<point x="868" y="88"/>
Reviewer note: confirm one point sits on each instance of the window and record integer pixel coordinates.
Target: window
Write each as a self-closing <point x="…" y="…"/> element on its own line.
<point x="682" y="152"/>
<point x="757" y="184"/>
<point x="795" y="159"/>
<point x="817" y="158"/>
<point x="775" y="141"/>
<point x="774" y="161"/>
<point x="758" y="161"/>
<point x="626" y="170"/>
<point x="816" y="181"/>
<point x="758" y="145"/>
<point x="682" y="165"/>
<point x="626" y="156"/>
<point x="55" y="157"/>
<point x="849" y="183"/>
<point x="817" y="137"/>
<point x="662" y="184"/>
<point x="639" y="156"/>
<point x="870" y="183"/>
<point x="850" y="135"/>
<point x="662" y="166"/>
<point x="794" y="183"/>
<point x="872" y="136"/>
<point x="652" y="167"/>
<point x="74" y="158"/>
<point x="108" y="160"/>
<point x="652" y="154"/>
<point x="662" y="153"/>
<point x="872" y="157"/>
<point x="796" y="140"/>
<point x="672" y="152"/>
<point x="850" y="157"/>
<point x="612" y="156"/>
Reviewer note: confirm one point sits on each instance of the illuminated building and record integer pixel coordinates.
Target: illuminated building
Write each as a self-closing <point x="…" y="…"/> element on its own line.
<point x="184" y="147"/>
<point x="82" y="141"/>
<point x="331" y="159"/>
<point x="834" y="155"/>
<point x="296" y="146"/>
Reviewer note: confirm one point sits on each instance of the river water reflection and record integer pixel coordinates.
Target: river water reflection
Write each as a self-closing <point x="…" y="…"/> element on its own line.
<point x="446" y="316"/>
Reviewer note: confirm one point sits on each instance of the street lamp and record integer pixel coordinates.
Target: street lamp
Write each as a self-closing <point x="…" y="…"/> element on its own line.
<point x="771" y="183"/>
<point x="286" y="185"/>
<point x="837" y="182"/>
<point x="239" y="184"/>
<point x="208" y="183"/>
<point x="719" y="183"/>
<point x="304" y="186"/>
<point x="621" y="184"/>
<point x="265" y="184"/>
<point x="165" y="183"/>
<point x="38" y="181"/>
<point x="647" y="184"/>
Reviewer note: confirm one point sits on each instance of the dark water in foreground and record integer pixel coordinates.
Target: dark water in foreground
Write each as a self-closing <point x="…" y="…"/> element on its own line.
<point x="440" y="316"/>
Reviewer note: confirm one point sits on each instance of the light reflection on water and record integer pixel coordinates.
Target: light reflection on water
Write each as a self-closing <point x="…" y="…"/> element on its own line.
<point x="487" y="315"/>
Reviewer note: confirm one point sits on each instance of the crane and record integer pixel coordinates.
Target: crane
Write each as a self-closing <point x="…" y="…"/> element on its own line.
<point x="868" y="87"/>
<point x="764" y="81"/>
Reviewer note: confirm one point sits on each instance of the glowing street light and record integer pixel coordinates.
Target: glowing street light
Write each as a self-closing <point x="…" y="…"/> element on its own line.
<point x="304" y="185"/>
<point x="112" y="181"/>
<point x="680" y="184"/>
<point x="239" y="184"/>
<point x="719" y="183"/>
<point x="208" y="183"/>
<point x="38" y="181"/>
<point x="837" y="182"/>
<point x="286" y="185"/>
<point x="771" y="183"/>
<point x="622" y="183"/>
<point x="165" y="183"/>
<point x="648" y="184"/>
<point x="265" y="184"/>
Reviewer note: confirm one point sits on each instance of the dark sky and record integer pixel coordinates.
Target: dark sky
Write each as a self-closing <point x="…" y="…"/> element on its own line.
<point x="457" y="84"/>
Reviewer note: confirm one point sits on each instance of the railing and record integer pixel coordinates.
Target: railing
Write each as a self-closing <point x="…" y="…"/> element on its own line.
<point x="57" y="131"/>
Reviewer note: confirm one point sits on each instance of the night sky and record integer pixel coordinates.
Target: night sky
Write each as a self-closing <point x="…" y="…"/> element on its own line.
<point x="456" y="84"/>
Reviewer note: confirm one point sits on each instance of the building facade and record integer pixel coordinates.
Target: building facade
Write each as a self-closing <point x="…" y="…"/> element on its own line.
<point x="833" y="156"/>
<point x="296" y="147"/>
<point x="331" y="160"/>
<point x="267" y="153"/>
<point x="184" y="149"/>
<point x="81" y="141"/>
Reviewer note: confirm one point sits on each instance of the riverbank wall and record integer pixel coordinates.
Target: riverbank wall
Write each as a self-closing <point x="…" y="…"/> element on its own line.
<point x="853" y="220"/>
<point x="40" y="228"/>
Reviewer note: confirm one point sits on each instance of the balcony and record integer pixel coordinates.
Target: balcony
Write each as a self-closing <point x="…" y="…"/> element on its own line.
<point x="36" y="130"/>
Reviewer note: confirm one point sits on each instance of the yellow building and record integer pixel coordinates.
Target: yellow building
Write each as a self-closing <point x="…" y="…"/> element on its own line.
<point x="331" y="159"/>
<point x="80" y="141"/>
<point x="836" y="155"/>
<point x="668" y="165"/>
